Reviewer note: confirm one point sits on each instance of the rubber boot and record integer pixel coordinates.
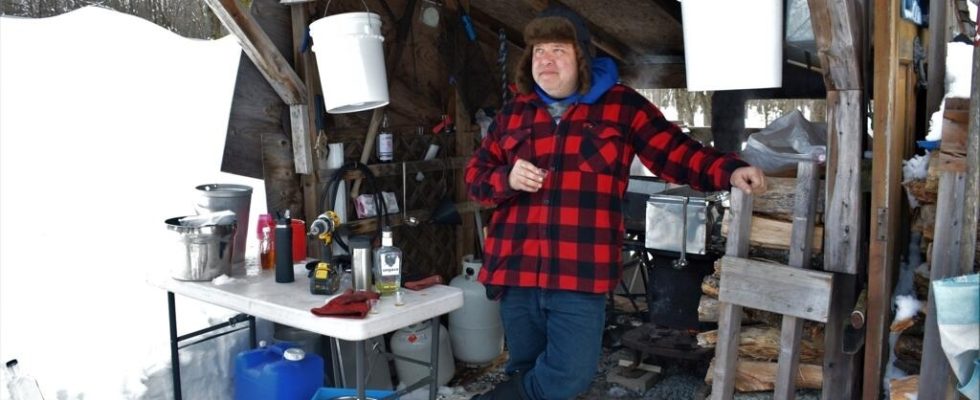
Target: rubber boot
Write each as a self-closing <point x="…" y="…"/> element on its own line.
<point x="512" y="389"/>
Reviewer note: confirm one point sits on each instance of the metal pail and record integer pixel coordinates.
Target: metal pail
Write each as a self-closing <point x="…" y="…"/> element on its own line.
<point x="203" y="252"/>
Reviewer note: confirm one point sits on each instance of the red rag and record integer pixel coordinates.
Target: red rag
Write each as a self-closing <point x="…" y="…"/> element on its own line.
<point x="350" y="304"/>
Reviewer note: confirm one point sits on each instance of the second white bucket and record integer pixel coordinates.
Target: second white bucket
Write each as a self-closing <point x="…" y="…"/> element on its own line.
<point x="351" y="61"/>
<point x="733" y="44"/>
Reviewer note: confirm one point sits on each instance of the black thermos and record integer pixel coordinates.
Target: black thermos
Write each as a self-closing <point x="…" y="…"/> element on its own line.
<point x="284" y="248"/>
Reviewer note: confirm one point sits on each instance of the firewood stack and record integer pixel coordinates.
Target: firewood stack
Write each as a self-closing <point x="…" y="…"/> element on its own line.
<point x="758" y="347"/>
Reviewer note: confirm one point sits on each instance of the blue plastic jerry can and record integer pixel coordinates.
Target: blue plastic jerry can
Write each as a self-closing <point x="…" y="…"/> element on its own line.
<point x="281" y="371"/>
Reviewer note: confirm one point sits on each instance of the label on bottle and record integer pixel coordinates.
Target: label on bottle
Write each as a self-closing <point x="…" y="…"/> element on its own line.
<point x="386" y="147"/>
<point x="391" y="265"/>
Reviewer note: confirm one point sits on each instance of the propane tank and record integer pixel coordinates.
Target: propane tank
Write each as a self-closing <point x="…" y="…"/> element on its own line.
<point x="415" y="341"/>
<point x="477" y="333"/>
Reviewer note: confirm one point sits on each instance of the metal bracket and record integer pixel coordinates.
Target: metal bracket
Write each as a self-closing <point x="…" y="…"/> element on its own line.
<point x="881" y="223"/>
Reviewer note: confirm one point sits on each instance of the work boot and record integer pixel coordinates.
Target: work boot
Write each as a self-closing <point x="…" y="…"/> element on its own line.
<point x="512" y="389"/>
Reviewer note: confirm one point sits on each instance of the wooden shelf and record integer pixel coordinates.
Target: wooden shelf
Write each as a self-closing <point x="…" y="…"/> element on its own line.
<point x="411" y="167"/>
<point x="369" y="225"/>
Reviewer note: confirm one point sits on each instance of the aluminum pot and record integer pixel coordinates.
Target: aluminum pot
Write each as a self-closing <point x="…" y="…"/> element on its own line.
<point x="202" y="252"/>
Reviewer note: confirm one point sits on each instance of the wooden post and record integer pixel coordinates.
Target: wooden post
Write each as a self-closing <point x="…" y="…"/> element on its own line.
<point x="838" y="31"/>
<point x="730" y="315"/>
<point x="946" y="249"/>
<point x="306" y="68"/>
<point x="936" y="57"/>
<point x="971" y="205"/>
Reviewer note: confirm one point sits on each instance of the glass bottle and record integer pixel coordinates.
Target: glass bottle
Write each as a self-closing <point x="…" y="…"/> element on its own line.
<point x="386" y="142"/>
<point x="387" y="265"/>
<point x="22" y="386"/>
<point x="266" y="250"/>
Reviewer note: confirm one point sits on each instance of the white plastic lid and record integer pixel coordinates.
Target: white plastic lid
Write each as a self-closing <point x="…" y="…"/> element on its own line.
<point x="294" y="354"/>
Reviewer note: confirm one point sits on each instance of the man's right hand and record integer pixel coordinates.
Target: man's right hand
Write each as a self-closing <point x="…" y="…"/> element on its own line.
<point x="526" y="177"/>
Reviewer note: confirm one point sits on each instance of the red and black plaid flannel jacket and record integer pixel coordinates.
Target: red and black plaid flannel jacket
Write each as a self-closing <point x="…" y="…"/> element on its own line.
<point x="569" y="234"/>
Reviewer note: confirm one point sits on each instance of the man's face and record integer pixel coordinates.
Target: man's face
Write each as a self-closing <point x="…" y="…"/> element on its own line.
<point x="555" y="68"/>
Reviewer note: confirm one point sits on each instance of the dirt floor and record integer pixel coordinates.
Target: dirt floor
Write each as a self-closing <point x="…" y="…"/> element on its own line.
<point x="678" y="379"/>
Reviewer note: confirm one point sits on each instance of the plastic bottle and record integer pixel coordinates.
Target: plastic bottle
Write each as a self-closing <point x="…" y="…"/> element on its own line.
<point x="386" y="142"/>
<point x="22" y="386"/>
<point x="387" y="265"/>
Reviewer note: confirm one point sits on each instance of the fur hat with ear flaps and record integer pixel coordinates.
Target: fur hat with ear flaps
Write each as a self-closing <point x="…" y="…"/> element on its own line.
<point x="556" y="24"/>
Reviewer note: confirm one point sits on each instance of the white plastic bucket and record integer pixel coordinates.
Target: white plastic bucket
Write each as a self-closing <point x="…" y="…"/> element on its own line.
<point x="732" y="45"/>
<point x="351" y="61"/>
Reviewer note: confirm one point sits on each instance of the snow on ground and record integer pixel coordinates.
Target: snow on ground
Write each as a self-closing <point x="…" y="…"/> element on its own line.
<point x="107" y="123"/>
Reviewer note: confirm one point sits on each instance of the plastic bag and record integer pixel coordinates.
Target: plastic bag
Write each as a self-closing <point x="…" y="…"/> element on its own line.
<point x="785" y="142"/>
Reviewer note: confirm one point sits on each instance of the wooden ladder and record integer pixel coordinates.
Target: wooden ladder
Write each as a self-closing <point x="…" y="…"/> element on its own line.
<point x="791" y="290"/>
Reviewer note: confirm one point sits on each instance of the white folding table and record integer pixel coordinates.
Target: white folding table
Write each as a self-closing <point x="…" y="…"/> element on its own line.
<point x="290" y="303"/>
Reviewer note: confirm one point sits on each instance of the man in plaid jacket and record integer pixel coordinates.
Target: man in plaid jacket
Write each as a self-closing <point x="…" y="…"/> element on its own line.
<point x="555" y="165"/>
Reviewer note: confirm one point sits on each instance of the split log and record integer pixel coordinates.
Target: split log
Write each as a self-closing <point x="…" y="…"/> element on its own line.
<point x="709" y="285"/>
<point x="759" y="376"/>
<point x="708" y="309"/>
<point x="762" y="343"/>
<point x="908" y="353"/>
<point x="924" y="221"/>
<point x="922" y="191"/>
<point x="780" y="196"/>
<point x="771" y="233"/>
<point x="903" y="388"/>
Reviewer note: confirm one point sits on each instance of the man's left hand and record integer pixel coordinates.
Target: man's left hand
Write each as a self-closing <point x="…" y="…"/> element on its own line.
<point x="750" y="179"/>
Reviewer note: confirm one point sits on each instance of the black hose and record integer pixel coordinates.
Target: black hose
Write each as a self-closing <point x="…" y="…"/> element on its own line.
<point x="330" y="192"/>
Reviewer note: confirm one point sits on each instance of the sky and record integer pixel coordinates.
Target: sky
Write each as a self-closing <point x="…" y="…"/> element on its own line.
<point x="107" y="124"/>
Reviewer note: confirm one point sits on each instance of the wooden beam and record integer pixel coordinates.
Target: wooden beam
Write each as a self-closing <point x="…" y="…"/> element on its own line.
<point x="837" y="30"/>
<point x="306" y="68"/>
<point x="936" y="57"/>
<point x="971" y="206"/>
<point x="843" y="225"/>
<point x="260" y="49"/>
<point x="671" y="7"/>
<point x="730" y="315"/>
<point x="775" y="288"/>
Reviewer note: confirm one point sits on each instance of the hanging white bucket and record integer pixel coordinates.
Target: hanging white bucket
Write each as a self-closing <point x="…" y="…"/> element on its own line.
<point x="351" y="61"/>
<point x="733" y="44"/>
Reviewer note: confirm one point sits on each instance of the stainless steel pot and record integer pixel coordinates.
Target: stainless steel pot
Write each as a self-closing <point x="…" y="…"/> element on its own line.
<point x="201" y="253"/>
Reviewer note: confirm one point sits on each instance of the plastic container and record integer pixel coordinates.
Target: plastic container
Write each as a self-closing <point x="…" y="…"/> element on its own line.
<point x="281" y="371"/>
<point x="476" y="330"/>
<point x="415" y="341"/>
<point x="345" y="394"/>
<point x="348" y="48"/>
<point x="721" y="36"/>
<point x="299" y="235"/>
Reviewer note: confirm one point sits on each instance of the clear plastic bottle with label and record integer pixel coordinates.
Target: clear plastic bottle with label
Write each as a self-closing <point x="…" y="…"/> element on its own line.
<point x="21" y="386"/>
<point x="387" y="265"/>
<point x="386" y="142"/>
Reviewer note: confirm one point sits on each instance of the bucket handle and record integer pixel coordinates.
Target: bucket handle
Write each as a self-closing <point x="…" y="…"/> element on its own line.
<point x="325" y="9"/>
<point x="366" y="9"/>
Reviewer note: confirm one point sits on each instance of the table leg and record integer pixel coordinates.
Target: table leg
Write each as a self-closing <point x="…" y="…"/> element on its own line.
<point x="174" y="357"/>
<point x="434" y="364"/>
<point x="359" y="364"/>
<point x="252" y="336"/>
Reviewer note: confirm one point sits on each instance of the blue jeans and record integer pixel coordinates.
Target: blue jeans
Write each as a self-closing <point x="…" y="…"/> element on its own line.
<point x="555" y="338"/>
